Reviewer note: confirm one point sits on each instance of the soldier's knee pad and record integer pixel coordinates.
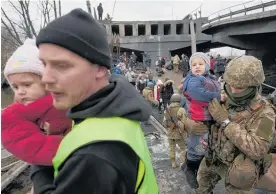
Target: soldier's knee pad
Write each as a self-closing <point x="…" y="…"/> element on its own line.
<point x="243" y="173"/>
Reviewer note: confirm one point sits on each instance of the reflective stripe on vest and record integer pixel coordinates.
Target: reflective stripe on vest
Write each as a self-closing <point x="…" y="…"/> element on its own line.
<point x="111" y="129"/>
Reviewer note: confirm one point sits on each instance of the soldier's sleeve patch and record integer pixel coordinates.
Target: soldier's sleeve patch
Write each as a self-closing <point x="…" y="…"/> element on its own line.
<point x="265" y="129"/>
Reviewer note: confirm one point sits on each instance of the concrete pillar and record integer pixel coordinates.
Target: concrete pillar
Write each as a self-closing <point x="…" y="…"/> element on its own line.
<point x="108" y="29"/>
<point x="193" y="36"/>
<point x="154" y="57"/>
<point x="135" y="29"/>
<point x="173" y="28"/>
<point x="148" y="31"/>
<point x="160" y="29"/>
<point x="122" y="30"/>
<point x="198" y="26"/>
<point x="186" y="28"/>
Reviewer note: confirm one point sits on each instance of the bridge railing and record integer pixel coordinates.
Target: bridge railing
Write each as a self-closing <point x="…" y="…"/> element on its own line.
<point x="271" y="96"/>
<point x="240" y="9"/>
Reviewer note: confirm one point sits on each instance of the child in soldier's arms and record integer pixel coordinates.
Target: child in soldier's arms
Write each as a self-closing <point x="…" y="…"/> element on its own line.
<point x="199" y="88"/>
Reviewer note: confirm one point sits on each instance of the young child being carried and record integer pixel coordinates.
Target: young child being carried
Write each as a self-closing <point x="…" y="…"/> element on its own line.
<point x="32" y="114"/>
<point x="199" y="88"/>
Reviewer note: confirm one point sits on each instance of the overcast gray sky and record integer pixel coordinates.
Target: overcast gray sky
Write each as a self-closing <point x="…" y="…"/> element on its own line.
<point x="153" y="9"/>
<point x="143" y="10"/>
<point x="129" y="10"/>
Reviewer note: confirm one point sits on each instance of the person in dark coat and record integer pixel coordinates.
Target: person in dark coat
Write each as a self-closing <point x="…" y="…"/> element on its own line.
<point x="100" y="11"/>
<point x="104" y="150"/>
<point x="184" y="65"/>
<point x="167" y="91"/>
<point x="141" y="83"/>
<point x="219" y="67"/>
<point x="163" y="62"/>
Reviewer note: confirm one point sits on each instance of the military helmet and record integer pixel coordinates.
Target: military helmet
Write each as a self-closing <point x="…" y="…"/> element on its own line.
<point x="176" y="98"/>
<point x="150" y="85"/>
<point x="243" y="72"/>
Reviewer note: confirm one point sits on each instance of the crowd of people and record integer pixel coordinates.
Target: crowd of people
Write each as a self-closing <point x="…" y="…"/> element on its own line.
<point x="194" y="117"/>
<point x="78" y="124"/>
<point x="230" y="127"/>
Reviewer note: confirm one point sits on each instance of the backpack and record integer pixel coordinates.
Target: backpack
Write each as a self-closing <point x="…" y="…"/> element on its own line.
<point x="152" y="81"/>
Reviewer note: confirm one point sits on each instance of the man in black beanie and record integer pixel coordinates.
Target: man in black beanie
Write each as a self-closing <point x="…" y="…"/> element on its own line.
<point x="105" y="152"/>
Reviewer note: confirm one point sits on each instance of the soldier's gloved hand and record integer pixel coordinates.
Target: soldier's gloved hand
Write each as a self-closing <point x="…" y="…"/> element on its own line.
<point x="218" y="112"/>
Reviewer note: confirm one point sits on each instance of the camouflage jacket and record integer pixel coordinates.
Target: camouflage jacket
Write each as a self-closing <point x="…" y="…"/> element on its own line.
<point x="173" y="133"/>
<point x="251" y="134"/>
<point x="148" y="95"/>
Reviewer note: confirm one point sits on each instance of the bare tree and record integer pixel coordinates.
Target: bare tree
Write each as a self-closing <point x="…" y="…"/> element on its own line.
<point x="7" y="46"/>
<point x="10" y="26"/>
<point x="24" y="27"/>
<point x="55" y="9"/>
<point x="18" y="24"/>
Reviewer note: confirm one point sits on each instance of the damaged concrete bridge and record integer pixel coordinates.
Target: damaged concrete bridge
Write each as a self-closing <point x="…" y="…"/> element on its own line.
<point x="250" y="26"/>
<point x="158" y="38"/>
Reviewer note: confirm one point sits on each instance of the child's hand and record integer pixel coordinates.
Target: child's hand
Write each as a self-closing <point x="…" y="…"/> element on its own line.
<point x="46" y="127"/>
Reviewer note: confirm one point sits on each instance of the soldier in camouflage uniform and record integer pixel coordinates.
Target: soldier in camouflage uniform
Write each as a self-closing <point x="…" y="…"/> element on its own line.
<point x="239" y="143"/>
<point x="175" y="135"/>
<point x="148" y="94"/>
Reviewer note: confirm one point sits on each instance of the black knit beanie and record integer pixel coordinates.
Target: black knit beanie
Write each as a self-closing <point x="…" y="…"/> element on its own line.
<point x="80" y="33"/>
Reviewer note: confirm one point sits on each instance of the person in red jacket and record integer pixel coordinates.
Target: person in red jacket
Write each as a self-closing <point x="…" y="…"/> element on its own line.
<point x="212" y="65"/>
<point x="32" y="128"/>
<point x="159" y="85"/>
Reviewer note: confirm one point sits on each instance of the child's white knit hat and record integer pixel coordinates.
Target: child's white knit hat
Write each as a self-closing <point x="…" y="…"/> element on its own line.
<point x="24" y="60"/>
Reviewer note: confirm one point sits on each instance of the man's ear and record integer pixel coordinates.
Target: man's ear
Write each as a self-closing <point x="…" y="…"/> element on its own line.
<point x="101" y="72"/>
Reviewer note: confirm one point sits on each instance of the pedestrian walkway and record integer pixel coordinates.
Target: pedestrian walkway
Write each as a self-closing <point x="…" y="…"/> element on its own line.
<point x="176" y="77"/>
<point x="169" y="180"/>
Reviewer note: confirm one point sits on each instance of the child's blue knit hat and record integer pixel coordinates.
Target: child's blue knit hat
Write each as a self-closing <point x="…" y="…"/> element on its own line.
<point x="203" y="56"/>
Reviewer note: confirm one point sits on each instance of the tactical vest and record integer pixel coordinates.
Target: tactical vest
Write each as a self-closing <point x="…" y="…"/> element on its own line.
<point x="221" y="147"/>
<point x="111" y="129"/>
<point x="242" y="172"/>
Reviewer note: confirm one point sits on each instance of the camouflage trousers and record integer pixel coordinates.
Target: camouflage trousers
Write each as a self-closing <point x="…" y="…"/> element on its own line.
<point x="172" y="145"/>
<point x="209" y="176"/>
